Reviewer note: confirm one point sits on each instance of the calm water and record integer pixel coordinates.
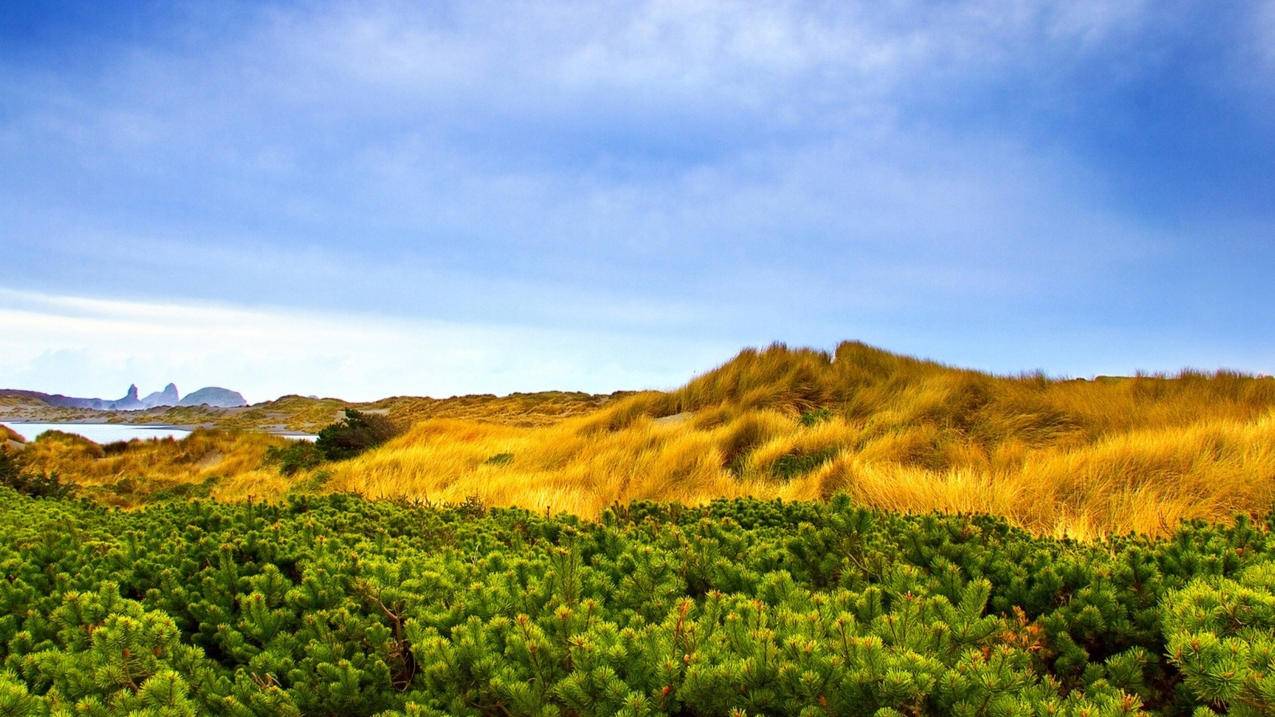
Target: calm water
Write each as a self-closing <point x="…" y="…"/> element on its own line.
<point x="97" y="432"/>
<point x="103" y="433"/>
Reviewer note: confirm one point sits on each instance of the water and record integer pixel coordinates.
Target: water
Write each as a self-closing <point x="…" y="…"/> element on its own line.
<point x="98" y="432"/>
<point x="103" y="433"/>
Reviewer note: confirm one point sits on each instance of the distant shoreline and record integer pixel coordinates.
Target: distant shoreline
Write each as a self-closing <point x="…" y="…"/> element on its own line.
<point x="283" y="432"/>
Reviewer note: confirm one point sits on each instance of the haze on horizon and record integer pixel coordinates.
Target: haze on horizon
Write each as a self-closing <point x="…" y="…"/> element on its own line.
<point x="399" y="198"/>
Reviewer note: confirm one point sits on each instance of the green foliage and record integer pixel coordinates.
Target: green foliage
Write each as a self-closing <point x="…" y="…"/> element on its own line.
<point x="356" y="433"/>
<point x="296" y="456"/>
<point x="1221" y="635"/>
<point x="333" y="605"/>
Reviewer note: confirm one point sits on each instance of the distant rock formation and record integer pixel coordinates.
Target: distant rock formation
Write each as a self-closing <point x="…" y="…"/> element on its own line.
<point x="214" y="396"/>
<point x="129" y="402"/>
<point x="167" y="397"/>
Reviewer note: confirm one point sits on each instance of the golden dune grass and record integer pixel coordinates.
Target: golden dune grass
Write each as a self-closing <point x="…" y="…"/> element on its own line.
<point x="127" y="474"/>
<point x="1080" y="458"/>
<point x="1144" y="481"/>
<point x="1067" y="457"/>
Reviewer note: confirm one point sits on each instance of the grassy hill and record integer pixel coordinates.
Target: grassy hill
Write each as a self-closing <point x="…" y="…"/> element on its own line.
<point x="307" y="414"/>
<point x="1064" y="457"/>
<point x="1055" y="456"/>
<point x="330" y="604"/>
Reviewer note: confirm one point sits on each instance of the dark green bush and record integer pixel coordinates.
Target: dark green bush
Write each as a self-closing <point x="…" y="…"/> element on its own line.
<point x="333" y="605"/>
<point x="354" y="434"/>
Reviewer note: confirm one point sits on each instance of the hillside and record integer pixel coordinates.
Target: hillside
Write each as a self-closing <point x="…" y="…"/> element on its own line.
<point x="1056" y="456"/>
<point x="1066" y="457"/>
<point x="270" y="599"/>
<point x="308" y="414"/>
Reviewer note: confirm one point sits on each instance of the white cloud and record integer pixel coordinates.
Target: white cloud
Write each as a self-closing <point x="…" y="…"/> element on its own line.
<point x="735" y="172"/>
<point x="90" y="346"/>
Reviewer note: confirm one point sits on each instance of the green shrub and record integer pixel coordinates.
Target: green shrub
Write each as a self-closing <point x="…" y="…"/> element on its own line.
<point x="1221" y="635"/>
<point x="354" y="434"/>
<point x="335" y="605"/>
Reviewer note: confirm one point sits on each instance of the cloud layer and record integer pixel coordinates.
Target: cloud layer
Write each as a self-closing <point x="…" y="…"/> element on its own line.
<point x="96" y="346"/>
<point x="966" y="180"/>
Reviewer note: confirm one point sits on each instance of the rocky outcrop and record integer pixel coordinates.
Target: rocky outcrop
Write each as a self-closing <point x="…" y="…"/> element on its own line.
<point x="129" y="402"/>
<point x="167" y="397"/>
<point x="214" y="396"/>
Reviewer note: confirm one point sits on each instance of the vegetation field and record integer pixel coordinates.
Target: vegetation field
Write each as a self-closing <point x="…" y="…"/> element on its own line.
<point x="341" y="606"/>
<point x="1079" y="458"/>
<point x="793" y="533"/>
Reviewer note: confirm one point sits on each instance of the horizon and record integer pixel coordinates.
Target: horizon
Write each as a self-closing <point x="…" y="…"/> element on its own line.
<point x="312" y="199"/>
<point x="144" y="390"/>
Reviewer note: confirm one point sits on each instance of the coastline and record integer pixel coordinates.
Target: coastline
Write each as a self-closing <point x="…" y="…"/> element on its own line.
<point x="280" y="431"/>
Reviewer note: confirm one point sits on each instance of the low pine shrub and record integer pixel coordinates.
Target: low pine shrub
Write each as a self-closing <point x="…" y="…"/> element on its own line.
<point x="336" y="605"/>
<point x="1221" y="635"/>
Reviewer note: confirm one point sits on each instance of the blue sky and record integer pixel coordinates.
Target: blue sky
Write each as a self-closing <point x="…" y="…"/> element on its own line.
<point x="365" y="199"/>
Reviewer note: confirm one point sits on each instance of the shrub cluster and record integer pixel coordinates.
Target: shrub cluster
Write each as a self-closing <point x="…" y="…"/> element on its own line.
<point x="355" y="433"/>
<point x="339" y="606"/>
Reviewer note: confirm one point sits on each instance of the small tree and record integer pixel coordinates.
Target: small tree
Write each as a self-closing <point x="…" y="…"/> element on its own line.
<point x="356" y="433"/>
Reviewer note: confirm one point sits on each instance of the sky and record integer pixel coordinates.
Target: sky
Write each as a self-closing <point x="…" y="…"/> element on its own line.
<point x="363" y="199"/>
